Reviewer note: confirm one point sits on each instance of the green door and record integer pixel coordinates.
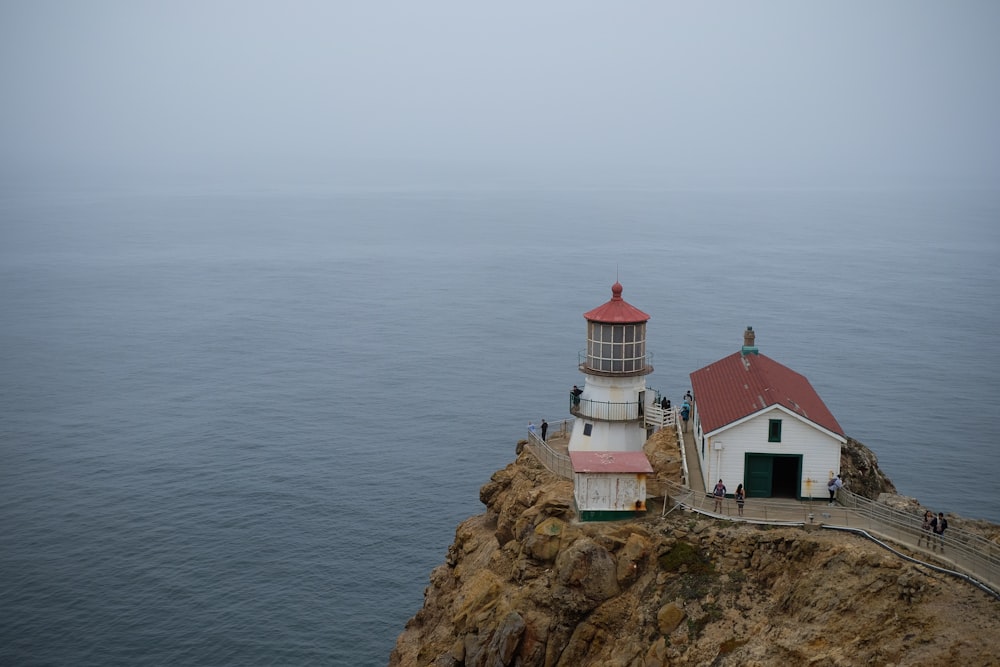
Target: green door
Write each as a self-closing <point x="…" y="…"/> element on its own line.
<point x="759" y="469"/>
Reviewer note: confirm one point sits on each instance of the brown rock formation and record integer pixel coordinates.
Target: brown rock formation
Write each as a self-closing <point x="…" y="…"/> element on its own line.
<point x="525" y="584"/>
<point x="860" y="471"/>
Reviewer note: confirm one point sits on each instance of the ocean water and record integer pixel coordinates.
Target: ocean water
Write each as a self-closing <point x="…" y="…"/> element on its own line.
<point x="240" y="429"/>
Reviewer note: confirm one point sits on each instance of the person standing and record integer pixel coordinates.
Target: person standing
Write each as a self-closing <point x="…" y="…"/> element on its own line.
<point x="833" y="486"/>
<point x="531" y="428"/>
<point x="688" y="397"/>
<point x="545" y="429"/>
<point x="719" y="492"/>
<point x="741" y="496"/>
<point x="939" y="527"/>
<point x="925" y="528"/>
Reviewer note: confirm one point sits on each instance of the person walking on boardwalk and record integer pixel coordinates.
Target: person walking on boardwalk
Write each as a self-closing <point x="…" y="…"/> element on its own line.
<point x="940" y="524"/>
<point x="719" y="492"/>
<point x="741" y="496"/>
<point x="925" y="528"/>
<point x="545" y="429"/>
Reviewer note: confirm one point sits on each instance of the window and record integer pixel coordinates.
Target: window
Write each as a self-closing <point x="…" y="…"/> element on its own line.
<point x="616" y="348"/>
<point x="774" y="430"/>
<point x="587" y="429"/>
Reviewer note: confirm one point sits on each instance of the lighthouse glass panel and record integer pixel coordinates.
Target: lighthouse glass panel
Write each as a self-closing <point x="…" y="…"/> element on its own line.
<point x="616" y="348"/>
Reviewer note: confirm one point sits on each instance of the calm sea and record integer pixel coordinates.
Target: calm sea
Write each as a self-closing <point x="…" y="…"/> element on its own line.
<point x="241" y="430"/>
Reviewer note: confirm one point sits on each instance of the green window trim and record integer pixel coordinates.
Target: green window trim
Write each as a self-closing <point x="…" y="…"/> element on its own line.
<point x="774" y="430"/>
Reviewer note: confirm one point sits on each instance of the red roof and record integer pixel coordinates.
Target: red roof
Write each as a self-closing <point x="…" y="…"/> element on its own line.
<point x="610" y="462"/>
<point x="616" y="311"/>
<point x="741" y="385"/>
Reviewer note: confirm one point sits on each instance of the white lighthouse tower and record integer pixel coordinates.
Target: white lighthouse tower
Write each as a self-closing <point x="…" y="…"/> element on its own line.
<point x="609" y="412"/>
<point x="605" y="448"/>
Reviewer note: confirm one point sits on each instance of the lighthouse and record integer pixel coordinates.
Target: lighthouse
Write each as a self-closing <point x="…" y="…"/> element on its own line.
<point x="610" y="408"/>
<point x="605" y="448"/>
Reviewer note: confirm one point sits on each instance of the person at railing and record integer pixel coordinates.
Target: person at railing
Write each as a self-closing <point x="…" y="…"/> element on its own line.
<point x="545" y="429"/>
<point x="719" y="492"/>
<point x="938" y="526"/>
<point x="688" y="398"/>
<point x="531" y="428"/>
<point x="741" y="496"/>
<point x="576" y="395"/>
<point x="833" y="486"/>
<point x="925" y="527"/>
<point x="665" y="403"/>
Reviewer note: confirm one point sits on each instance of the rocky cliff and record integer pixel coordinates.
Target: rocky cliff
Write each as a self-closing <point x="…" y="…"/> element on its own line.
<point x="525" y="585"/>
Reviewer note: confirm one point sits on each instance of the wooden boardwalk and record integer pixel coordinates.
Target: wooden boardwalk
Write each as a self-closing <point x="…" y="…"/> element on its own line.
<point x="960" y="553"/>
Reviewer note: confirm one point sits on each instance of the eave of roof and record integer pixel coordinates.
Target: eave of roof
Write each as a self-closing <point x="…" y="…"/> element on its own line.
<point x="771" y="410"/>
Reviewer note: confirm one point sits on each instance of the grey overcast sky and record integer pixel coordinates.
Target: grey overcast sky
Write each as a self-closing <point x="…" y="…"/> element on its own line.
<point x="718" y="94"/>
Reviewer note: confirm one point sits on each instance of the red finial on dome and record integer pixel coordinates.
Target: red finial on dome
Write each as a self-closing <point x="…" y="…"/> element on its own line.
<point x="616" y="291"/>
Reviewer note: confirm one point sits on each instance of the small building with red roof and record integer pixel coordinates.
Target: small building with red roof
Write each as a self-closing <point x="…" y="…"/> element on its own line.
<point x="759" y="423"/>
<point x="609" y="485"/>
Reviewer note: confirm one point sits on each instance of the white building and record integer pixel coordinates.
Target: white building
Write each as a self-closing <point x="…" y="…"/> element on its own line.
<point x="760" y="423"/>
<point x="609" y="485"/>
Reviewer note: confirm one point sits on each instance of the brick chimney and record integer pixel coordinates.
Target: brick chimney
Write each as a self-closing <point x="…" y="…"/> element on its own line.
<point x="748" y="342"/>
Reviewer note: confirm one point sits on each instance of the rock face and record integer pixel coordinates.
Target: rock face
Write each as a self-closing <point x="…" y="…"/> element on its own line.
<point x="526" y="585"/>
<point x="860" y="471"/>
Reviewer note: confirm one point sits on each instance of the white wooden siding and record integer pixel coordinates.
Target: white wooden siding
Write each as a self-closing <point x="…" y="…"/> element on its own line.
<point x="601" y="491"/>
<point x="608" y="436"/>
<point x="820" y="451"/>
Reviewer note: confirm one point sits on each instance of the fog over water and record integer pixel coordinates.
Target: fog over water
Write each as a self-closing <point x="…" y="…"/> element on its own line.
<point x="242" y="429"/>
<point x="282" y="283"/>
<point x="651" y="94"/>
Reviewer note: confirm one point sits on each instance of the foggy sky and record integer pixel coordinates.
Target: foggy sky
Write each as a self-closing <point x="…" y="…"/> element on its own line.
<point x="694" y="94"/>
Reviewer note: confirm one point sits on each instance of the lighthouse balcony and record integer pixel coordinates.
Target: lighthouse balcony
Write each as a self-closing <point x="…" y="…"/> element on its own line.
<point x="605" y="411"/>
<point x="615" y="365"/>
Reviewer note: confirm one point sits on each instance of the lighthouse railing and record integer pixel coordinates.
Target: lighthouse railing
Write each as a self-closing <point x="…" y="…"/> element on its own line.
<point x="686" y="476"/>
<point x="604" y="410"/>
<point x="658" y="416"/>
<point x="556" y="462"/>
<point x="973" y="553"/>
